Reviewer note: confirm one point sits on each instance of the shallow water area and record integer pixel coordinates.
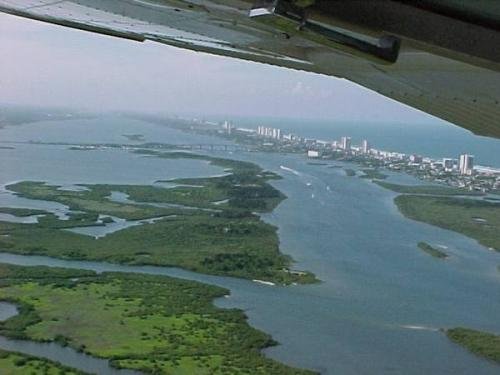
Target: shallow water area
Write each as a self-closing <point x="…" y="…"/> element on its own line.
<point x="32" y="219"/>
<point x="53" y="351"/>
<point x="102" y="230"/>
<point x="381" y="301"/>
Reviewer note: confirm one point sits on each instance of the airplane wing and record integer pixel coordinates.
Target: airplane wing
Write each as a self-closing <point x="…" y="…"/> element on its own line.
<point x="439" y="56"/>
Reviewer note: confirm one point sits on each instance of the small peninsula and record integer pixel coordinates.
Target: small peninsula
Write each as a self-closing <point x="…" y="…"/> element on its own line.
<point x="154" y="324"/>
<point x="208" y="225"/>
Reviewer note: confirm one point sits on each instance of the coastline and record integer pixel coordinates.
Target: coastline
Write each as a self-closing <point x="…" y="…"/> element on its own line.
<point x="345" y="267"/>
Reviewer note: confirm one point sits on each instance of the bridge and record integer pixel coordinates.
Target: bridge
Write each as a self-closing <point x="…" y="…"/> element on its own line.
<point x="150" y="145"/>
<point x="205" y="146"/>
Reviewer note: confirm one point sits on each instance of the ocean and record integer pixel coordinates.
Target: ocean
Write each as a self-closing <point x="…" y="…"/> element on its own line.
<point x="436" y="139"/>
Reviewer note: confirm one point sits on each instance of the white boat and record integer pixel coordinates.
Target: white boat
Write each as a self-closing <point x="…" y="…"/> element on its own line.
<point x="263" y="282"/>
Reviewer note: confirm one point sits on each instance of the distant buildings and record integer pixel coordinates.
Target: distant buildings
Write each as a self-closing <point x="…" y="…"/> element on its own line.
<point x="228" y="127"/>
<point x="365" y="147"/>
<point x="448" y="164"/>
<point x="459" y="173"/>
<point x="466" y="164"/>
<point x="345" y="143"/>
<point x="269" y="132"/>
<point x="416" y="158"/>
<point x="322" y="143"/>
<point x="276" y="133"/>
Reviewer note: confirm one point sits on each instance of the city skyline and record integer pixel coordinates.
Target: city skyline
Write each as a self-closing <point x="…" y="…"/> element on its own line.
<point x="458" y="172"/>
<point x="345" y="144"/>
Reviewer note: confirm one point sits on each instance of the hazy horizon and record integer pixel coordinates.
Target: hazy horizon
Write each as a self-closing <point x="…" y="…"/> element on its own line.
<point x="52" y="66"/>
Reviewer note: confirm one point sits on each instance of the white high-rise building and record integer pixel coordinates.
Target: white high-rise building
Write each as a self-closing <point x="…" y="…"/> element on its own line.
<point x="227" y="126"/>
<point x="466" y="164"/>
<point x="269" y="132"/>
<point x="365" y="147"/>
<point x="345" y="143"/>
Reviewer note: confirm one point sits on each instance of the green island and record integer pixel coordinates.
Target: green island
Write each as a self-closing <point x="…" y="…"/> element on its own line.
<point x="350" y="172"/>
<point x="435" y="205"/>
<point x="13" y="363"/>
<point x="155" y="324"/>
<point x="426" y="189"/>
<point x="431" y="250"/>
<point x="21" y="212"/>
<point x="484" y="344"/>
<point x="373" y="174"/>
<point x="219" y="233"/>
<point x="477" y="219"/>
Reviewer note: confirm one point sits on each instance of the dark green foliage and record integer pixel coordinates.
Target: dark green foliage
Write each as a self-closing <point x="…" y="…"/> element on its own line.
<point x="12" y="272"/>
<point x="426" y="189"/>
<point x="481" y="343"/>
<point x="239" y="264"/>
<point x="191" y="237"/>
<point x="87" y="203"/>
<point x="475" y="218"/>
<point x="19" y="363"/>
<point x="15" y="326"/>
<point x="80" y="219"/>
<point x="373" y="174"/>
<point x="436" y="253"/>
<point x="21" y="212"/>
<point x="202" y="331"/>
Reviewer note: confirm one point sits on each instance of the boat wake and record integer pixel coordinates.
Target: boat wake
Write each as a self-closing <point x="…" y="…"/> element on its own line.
<point x="420" y="328"/>
<point x="290" y="170"/>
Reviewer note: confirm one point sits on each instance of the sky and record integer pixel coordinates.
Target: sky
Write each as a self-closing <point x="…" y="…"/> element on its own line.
<point x="48" y="65"/>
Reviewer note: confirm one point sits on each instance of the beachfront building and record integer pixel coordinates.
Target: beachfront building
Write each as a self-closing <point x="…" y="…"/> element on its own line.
<point x="466" y="164"/>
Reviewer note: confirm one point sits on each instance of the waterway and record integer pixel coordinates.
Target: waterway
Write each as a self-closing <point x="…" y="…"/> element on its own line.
<point x="381" y="302"/>
<point x="55" y="352"/>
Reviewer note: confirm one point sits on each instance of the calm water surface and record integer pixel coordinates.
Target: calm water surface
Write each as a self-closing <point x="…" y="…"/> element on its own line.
<point x="381" y="301"/>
